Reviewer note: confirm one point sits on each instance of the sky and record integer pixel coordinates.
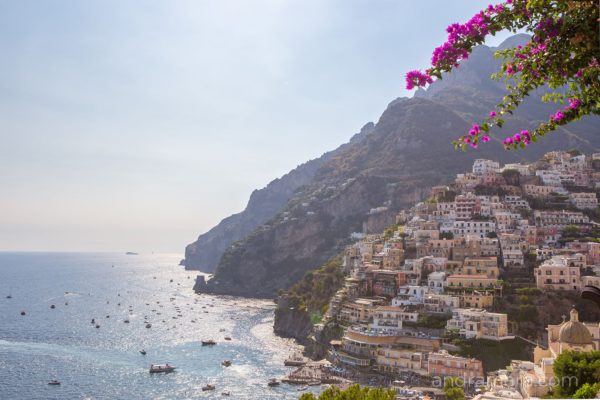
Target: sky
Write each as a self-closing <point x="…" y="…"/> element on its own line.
<point x="137" y="125"/>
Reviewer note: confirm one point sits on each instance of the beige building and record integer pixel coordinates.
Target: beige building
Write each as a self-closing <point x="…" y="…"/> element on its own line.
<point x="473" y="323"/>
<point x="560" y="273"/>
<point x="584" y="201"/>
<point x="444" y="364"/>
<point x="460" y="281"/>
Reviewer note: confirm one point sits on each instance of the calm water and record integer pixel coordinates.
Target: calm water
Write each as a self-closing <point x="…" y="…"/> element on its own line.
<point x="105" y="363"/>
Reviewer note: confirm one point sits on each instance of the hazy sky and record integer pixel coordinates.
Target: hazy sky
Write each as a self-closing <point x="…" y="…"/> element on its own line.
<point x="137" y="125"/>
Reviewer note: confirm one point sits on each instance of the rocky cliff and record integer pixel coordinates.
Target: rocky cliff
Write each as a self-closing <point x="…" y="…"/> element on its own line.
<point x="392" y="164"/>
<point x="204" y="254"/>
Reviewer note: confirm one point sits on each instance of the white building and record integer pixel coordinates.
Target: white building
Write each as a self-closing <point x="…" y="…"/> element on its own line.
<point x="483" y="167"/>
<point x="472" y="227"/>
<point x="584" y="201"/>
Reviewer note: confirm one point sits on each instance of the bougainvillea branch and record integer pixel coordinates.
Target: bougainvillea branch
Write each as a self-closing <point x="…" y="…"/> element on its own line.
<point x="562" y="55"/>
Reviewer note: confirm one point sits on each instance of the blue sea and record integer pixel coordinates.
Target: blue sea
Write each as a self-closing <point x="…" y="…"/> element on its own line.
<point x="105" y="362"/>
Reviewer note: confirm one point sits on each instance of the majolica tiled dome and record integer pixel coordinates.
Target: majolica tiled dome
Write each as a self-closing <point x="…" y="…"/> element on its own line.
<point x="574" y="332"/>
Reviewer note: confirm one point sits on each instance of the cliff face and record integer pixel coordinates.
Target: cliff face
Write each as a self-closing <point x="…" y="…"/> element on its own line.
<point x="204" y="254"/>
<point x="392" y="164"/>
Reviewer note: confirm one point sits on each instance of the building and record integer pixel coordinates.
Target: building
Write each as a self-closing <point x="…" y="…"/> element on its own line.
<point x="458" y="282"/>
<point x="584" y="201"/>
<point x="476" y="299"/>
<point x="559" y="219"/>
<point x="396" y="360"/>
<point x="487" y="266"/>
<point x="473" y="323"/>
<point x="443" y="364"/>
<point x="560" y="273"/>
<point x="484" y="167"/>
<point x="473" y="227"/>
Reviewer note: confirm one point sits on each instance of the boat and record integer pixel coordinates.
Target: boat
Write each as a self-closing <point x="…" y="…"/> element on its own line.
<point x="53" y="306"/>
<point x="131" y="253"/>
<point x="156" y="368"/>
<point x="143" y="352"/>
<point x="295" y="360"/>
<point x="54" y="383"/>
<point x="225" y="393"/>
<point x="273" y="382"/>
<point x="208" y="386"/>
<point x="148" y="325"/>
<point x="208" y="342"/>
<point x="23" y="313"/>
<point x="126" y="321"/>
<point x="302" y="388"/>
<point x="226" y="363"/>
<point x="9" y="297"/>
<point x="314" y="383"/>
<point x="97" y="326"/>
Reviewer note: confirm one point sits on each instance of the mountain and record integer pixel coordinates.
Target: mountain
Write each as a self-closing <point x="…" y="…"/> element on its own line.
<point x="204" y="254"/>
<point x="361" y="185"/>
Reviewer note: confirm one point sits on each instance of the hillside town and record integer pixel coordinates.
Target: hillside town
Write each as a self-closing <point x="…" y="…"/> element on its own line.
<point x="415" y="292"/>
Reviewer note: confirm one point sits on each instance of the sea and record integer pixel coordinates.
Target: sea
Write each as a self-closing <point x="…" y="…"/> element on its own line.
<point x="105" y="362"/>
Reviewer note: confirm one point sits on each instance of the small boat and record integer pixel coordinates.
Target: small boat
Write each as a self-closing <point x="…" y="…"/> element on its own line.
<point x="209" y="342"/>
<point x="23" y="313"/>
<point x="97" y="326"/>
<point x="227" y="338"/>
<point x="222" y="329"/>
<point x="273" y="382"/>
<point x="148" y="325"/>
<point x="93" y="321"/>
<point x="226" y="363"/>
<point x="131" y="253"/>
<point x="208" y="387"/>
<point x="314" y="383"/>
<point x="126" y="321"/>
<point x="156" y="368"/>
<point x="302" y="388"/>
<point x="226" y="393"/>
<point x="143" y="352"/>
<point x="295" y="360"/>
<point x="9" y="297"/>
<point x="54" y="383"/>
<point x="53" y="306"/>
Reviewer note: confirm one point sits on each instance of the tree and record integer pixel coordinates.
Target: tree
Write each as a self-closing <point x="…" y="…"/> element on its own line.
<point x="573" y="369"/>
<point x="561" y="55"/>
<point x="453" y="389"/>
<point x="587" y="391"/>
<point x="354" y="392"/>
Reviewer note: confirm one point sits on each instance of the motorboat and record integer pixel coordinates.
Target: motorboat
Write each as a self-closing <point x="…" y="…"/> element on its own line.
<point x="226" y="393"/>
<point x="226" y="363"/>
<point x="208" y="386"/>
<point x="143" y="352"/>
<point x="209" y="342"/>
<point x="227" y="337"/>
<point x="156" y="368"/>
<point x="295" y="360"/>
<point x="54" y="383"/>
<point x="273" y="382"/>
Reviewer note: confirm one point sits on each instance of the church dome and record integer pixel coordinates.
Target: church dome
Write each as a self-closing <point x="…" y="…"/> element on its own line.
<point x="574" y="332"/>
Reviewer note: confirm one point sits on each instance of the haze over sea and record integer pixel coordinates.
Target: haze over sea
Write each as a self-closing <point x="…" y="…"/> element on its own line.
<point x="105" y="362"/>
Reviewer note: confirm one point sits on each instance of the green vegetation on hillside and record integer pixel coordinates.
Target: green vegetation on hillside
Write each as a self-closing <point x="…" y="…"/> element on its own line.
<point x="573" y="370"/>
<point x="313" y="292"/>
<point x="454" y="389"/>
<point x="354" y="392"/>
